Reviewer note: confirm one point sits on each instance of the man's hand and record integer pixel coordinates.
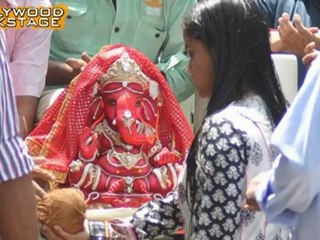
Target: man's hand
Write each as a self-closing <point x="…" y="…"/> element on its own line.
<point x="309" y="34"/>
<point x="40" y="193"/>
<point x="85" y="57"/>
<point x="78" y="64"/>
<point x="59" y="234"/>
<point x="251" y="202"/>
<point x="38" y="172"/>
<point x="292" y="37"/>
<point x="310" y="54"/>
<point x="63" y="72"/>
<point x="291" y="40"/>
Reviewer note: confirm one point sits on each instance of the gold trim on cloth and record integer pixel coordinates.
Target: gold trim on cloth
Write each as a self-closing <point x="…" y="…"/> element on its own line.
<point x="61" y="116"/>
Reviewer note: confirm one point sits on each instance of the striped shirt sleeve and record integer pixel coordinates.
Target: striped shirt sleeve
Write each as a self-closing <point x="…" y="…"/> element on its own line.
<point x="14" y="159"/>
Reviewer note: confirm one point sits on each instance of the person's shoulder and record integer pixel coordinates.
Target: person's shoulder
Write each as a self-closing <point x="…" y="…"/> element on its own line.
<point x="227" y="116"/>
<point x="223" y="130"/>
<point x="180" y="4"/>
<point x="240" y="115"/>
<point x="278" y="3"/>
<point x="36" y="3"/>
<point x="185" y="2"/>
<point x="289" y="4"/>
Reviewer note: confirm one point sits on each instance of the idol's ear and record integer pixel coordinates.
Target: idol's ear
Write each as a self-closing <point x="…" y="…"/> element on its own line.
<point x="96" y="111"/>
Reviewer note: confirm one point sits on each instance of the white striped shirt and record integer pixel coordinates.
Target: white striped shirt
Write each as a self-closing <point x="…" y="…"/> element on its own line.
<point x="14" y="159"/>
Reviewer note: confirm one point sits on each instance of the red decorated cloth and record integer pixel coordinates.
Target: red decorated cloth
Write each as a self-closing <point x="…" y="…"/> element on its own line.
<point x="83" y="134"/>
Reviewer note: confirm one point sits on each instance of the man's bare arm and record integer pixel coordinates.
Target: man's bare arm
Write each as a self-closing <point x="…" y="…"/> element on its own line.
<point x="27" y="109"/>
<point x="59" y="73"/>
<point x="17" y="210"/>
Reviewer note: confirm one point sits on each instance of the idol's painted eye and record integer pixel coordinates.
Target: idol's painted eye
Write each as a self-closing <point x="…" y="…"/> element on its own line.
<point x="111" y="102"/>
<point x="138" y="103"/>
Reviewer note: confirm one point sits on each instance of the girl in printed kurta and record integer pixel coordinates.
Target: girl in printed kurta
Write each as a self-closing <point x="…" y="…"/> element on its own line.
<point x="245" y="103"/>
<point x="230" y="63"/>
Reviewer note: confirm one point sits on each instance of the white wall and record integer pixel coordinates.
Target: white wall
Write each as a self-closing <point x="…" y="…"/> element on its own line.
<point x="287" y="68"/>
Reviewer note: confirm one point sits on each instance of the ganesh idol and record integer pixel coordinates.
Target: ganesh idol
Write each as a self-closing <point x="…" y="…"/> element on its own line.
<point x="117" y="132"/>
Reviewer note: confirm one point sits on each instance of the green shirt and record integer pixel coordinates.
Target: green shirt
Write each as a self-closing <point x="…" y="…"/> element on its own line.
<point x="154" y="27"/>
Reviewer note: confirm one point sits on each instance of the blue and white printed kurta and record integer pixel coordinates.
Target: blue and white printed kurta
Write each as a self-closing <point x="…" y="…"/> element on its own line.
<point x="233" y="148"/>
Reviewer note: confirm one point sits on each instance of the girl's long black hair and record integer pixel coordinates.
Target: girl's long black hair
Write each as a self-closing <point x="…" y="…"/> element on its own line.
<point x="237" y="39"/>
